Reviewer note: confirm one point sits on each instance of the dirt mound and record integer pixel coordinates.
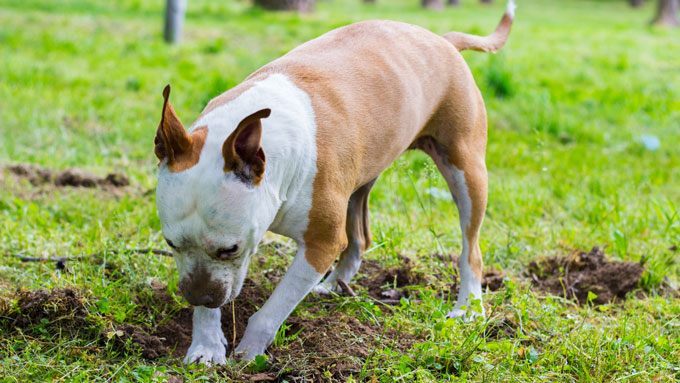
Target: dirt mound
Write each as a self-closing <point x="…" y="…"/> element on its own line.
<point x="335" y="343"/>
<point x="575" y="275"/>
<point x="390" y="284"/>
<point x="63" y="308"/>
<point x="150" y="346"/>
<point x="37" y="175"/>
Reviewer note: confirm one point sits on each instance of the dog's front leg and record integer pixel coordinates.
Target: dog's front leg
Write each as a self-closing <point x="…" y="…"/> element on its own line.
<point x="299" y="280"/>
<point x="208" y="344"/>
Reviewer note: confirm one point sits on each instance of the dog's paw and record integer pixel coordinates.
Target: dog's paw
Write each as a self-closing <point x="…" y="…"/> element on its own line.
<point x="249" y="352"/>
<point x="324" y="289"/>
<point x="211" y="352"/>
<point x="463" y="314"/>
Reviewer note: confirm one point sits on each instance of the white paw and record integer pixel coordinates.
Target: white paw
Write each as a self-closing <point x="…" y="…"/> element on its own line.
<point x="249" y="352"/>
<point x="458" y="312"/>
<point x="324" y="289"/>
<point x="210" y="352"/>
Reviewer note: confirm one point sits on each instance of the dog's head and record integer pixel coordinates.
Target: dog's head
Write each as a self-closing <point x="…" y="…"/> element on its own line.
<point x="209" y="201"/>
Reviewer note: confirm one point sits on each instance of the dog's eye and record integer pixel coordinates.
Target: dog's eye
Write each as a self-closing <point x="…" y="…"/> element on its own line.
<point x="170" y="243"/>
<point x="225" y="253"/>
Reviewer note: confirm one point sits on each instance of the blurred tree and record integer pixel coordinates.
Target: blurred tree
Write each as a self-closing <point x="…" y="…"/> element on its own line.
<point x="667" y="13"/>
<point x="453" y="3"/>
<point x="174" y="20"/>
<point x="432" y="4"/>
<point x="286" y="5"/>
<point x="636" y="3"/>
<point x="369" y="1"/>
<point x="485" y="1"/>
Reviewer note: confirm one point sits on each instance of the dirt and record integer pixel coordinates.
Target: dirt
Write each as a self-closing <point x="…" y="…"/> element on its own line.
<point x="37" y="175"/>
<point x="391" y="284"/>
<point x="573" y="276"/>
<point x="63" y="308"/>
<point x="333" y="342"/>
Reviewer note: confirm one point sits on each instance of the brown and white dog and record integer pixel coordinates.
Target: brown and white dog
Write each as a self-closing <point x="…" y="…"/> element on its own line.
<point x="296" y="148"/>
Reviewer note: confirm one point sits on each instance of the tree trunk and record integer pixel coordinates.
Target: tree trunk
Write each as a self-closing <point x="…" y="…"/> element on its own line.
<point x="636" y="3"/>
<point x="432" y="4"/>
<point x="174" y="20"/>
<point x="286" y="5"/>
<point x="485" y="1"/>
<point x="453" y="3"/>
<point x="667" y="13"/>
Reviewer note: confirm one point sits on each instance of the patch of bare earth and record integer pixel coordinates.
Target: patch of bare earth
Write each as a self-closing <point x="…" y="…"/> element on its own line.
<point x="573" y="276"/>
<point x="63" y="308"/>
<point x="37" y="175"/>
<point x="329" y="343"/>
<point x="389" y="285"/>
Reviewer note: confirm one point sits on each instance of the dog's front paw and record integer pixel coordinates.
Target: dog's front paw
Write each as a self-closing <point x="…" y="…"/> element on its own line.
<point x="209" y="352"/>
<point x="459" y="312"/>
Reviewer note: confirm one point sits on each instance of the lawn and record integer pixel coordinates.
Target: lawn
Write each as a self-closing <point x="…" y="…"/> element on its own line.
<point x="584" y="126"/>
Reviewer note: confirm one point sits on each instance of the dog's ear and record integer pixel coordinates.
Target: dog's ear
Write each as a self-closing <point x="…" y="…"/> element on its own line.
<point x="242" y="152"/>
<point x="172" y="140"/>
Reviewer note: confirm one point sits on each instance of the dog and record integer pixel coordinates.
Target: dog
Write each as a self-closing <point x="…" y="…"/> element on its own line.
<point x="295" y="149"/>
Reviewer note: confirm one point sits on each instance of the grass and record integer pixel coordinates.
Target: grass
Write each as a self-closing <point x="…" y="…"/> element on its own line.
<point x="569" y="99"/>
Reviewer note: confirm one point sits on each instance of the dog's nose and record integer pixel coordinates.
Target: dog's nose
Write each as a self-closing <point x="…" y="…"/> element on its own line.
<point x="198" y="300"/>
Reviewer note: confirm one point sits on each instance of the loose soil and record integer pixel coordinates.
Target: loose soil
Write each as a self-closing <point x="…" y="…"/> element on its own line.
<point x="37" y="175"/>
<point x="575" y="275"/>
<point x="391" y="284"/>
<point x="63" y="308"/>
<point x="332" y="342"/>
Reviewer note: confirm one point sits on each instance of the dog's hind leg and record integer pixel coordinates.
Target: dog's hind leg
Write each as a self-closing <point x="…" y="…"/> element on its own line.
<point x="359" y="238"/>
<point x="463" y="167"/>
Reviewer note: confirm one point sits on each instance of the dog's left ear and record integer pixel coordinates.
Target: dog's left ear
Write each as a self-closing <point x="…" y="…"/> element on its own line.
<point x="242" y="152"/>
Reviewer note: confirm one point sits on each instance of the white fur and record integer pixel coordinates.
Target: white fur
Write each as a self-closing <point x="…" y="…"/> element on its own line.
<point x="299" y="280"/>
<point x="203" y="208"/>
<point x="510" y="8"/>
<point x="208" y="344"/>
<point x="455" y="179"/>
<point x="469" y="285"/>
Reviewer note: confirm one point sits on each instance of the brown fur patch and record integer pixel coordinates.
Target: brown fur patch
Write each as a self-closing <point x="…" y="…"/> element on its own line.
<point x="172" y="141"/>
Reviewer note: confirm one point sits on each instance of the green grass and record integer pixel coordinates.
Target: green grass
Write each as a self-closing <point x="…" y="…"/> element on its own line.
<point x="569" y="100"/>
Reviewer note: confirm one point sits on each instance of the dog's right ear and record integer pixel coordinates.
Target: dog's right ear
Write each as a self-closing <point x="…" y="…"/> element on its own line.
<point x="172" y="140"/>
<point x="242" y="151"/>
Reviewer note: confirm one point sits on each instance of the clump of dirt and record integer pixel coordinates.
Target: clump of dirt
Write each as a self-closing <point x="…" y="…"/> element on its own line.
<point x="335" y="343"/>
<point x="151" y="346"/>
<point x="575" y="275"/>
<point x="390" y="284"/>
<point x="64" y="308"/>
<point x="37" y="175"/>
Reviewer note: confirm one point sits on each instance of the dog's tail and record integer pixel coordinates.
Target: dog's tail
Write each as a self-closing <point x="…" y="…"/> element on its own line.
<point x="490" y="43"/>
